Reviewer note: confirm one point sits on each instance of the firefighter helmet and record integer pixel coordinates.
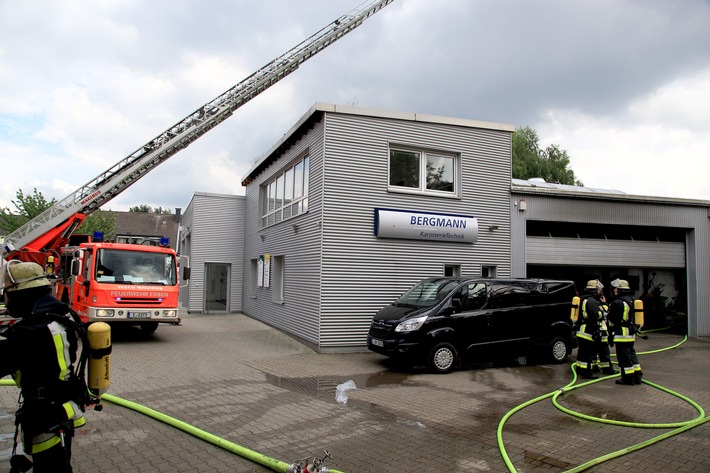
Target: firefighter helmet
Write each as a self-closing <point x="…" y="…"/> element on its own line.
<point x="620" y="284"/>
<point x="19" y="275"/>
<point x="595" y="284"/>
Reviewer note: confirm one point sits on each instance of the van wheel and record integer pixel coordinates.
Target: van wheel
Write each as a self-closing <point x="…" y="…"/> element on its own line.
<point x="558" y="349"/>
<point x="149" y="327"/>
<point x="443" y="358"/>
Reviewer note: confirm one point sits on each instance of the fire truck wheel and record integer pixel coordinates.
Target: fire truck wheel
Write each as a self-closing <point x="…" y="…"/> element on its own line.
<point x="149" y="327"/>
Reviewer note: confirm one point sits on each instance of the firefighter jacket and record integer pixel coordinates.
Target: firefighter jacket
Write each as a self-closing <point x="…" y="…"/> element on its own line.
<point x="592" y="323"/>
<point x="41" y="353"/>
<point x="621" y="319"/>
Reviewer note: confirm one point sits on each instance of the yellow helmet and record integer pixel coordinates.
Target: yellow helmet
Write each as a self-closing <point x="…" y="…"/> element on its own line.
<point x="19" y="275"/>
<point x="595" y="284"/>
<point x="620" y="284"/>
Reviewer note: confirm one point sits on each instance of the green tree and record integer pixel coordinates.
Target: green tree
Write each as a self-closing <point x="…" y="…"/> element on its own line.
<point x="99" y="221"/>
<point x="27" y="207"/>
<point x="144" y="208"/>
<point x="529" y="160"/>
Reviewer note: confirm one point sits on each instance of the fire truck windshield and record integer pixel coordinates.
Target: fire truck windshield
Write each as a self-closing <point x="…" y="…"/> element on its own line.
<point x="135" y="267"/>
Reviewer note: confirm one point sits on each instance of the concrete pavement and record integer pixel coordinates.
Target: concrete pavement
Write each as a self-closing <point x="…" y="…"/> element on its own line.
<point x="245" y="382"/>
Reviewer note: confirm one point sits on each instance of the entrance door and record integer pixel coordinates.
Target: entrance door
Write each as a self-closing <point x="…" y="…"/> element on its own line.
<point x="216" y="287"/>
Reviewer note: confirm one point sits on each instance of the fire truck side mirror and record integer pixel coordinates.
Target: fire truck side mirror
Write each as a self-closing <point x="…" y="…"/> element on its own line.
<point x="75" y="267"/>
<point x="186" y="273"/>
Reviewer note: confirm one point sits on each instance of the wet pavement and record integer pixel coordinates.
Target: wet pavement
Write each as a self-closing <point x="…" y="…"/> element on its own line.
<point x="251" y="385"/>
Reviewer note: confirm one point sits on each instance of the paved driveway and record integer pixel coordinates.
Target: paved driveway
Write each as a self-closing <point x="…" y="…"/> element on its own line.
<point x="247" y="383"/>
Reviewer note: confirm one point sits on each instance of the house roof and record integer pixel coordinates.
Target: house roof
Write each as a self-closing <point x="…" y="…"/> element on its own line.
<point x="144" y="224"/>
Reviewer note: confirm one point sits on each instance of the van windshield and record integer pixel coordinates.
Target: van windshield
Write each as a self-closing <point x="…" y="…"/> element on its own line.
<point x="428" y="293"/>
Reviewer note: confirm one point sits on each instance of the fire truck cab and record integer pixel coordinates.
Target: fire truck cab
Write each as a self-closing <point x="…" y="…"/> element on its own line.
<point x="120" y="283"/>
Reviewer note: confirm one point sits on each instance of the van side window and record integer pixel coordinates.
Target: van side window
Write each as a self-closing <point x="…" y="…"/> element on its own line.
<point x="509" y="295"/>
<point x="473" y="297"/>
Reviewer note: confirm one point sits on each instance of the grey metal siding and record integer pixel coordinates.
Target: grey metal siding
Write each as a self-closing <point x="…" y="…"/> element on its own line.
<point x="185" y="245"/>
<point x="216" y="230"/>
<point x="580" y="252"/>
<point x="299" y="313"/>
<point x="362" y="273"/>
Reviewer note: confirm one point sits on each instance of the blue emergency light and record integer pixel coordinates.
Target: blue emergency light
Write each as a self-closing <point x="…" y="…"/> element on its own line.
<point x="98" y="236"/>
<point x="164" y="241"/>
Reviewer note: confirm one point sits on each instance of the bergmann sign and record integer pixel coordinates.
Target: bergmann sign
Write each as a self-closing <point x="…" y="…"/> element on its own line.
<point x="431" y="226"/>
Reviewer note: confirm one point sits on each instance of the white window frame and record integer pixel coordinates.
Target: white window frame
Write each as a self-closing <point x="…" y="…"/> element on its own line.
<point x="254" y="268"/>
<point x="281" y="200"/>
<point x="452" y="270"/>
<point x="278" y="272"/>
<point x="424" y="154"/>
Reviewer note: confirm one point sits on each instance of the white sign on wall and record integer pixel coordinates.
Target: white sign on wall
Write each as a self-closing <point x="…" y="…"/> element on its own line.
<point x="431" y="226"/>
<point x="267" y="269"/>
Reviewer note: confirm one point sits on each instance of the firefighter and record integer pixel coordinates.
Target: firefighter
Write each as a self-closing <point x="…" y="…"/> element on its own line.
<point x="592" y="333"/>
<point x="42" y="352"/>
<point x="623" y="332"/>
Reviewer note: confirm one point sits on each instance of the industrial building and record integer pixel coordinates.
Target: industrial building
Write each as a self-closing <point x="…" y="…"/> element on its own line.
<point x="353" y="205"/>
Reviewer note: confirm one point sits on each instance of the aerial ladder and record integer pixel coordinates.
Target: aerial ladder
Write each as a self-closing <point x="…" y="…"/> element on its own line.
<point x="52" y="228"/>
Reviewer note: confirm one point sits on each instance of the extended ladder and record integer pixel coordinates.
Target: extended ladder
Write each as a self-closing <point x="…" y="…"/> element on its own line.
<point x="110" y="183"/>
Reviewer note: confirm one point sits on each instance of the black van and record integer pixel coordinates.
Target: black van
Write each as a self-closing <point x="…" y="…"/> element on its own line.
<point x="442" y="320"/>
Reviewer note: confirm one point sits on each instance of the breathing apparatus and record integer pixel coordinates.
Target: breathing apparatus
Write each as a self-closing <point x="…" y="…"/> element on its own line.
<point x="99" y="369"/>
<point x="574" y="314"/>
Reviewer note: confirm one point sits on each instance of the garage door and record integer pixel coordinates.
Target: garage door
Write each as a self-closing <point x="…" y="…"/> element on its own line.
<point x="583" y="251"/>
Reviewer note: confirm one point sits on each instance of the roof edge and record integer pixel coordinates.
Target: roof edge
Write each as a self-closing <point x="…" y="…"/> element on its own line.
<point x="411" y="116"/>
<point x="609" y="196"/>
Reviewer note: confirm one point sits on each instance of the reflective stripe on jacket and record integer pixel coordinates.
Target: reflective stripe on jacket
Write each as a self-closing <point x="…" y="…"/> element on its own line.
<point x="620" y="319"/>
<point x="591" y="322"/>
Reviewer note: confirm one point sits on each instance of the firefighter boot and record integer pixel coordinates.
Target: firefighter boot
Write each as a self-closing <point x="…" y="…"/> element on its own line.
<point x="609" y="370"/>
<point x="627" y="380"/>
<point x="586" y="373"/>
<point x="638" y="377"/>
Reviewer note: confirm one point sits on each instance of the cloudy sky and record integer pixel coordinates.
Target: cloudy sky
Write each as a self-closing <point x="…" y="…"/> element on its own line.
<point x="623" y="86"/>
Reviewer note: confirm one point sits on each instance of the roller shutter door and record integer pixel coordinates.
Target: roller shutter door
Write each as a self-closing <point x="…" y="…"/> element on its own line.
<point x="586" y="251"/>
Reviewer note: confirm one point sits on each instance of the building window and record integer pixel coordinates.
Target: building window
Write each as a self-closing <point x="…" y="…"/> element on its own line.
<point x="277" y="279"/>
<point x="431" y="172"/>
<point x="452" y="270"/>
<point x="254" y="266"/>
<point x="489" y="271"/>
<point x="286" y="195"/>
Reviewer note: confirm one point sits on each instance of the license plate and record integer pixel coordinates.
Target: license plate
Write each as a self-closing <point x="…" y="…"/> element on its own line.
<point x="139" y="315"/>
<point x="377" y="343"/>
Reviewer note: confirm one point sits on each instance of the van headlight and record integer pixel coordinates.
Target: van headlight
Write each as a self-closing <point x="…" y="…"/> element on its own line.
<point x="411" y="325"/>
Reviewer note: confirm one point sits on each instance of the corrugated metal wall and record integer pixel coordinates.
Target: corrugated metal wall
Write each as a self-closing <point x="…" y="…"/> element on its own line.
<point x="626" y="210"/>
<point x="337" y="273"/>
<point x="581" y="252"/>
<point x="362" y="273"/>
<point x="184" y="253"/>
<point x="216" y="226"/>
<point x="301" y="248"/>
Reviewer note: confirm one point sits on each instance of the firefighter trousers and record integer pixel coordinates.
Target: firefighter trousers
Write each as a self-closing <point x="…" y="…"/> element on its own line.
<point x="628" y="362"/>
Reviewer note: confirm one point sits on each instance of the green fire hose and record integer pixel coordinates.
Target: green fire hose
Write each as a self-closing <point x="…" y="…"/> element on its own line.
<point x="244" y="452"/>
<point x="679" y="427"/>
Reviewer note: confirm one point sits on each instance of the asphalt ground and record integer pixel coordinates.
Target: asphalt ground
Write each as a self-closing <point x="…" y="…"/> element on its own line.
<point x="254" y="386"/>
